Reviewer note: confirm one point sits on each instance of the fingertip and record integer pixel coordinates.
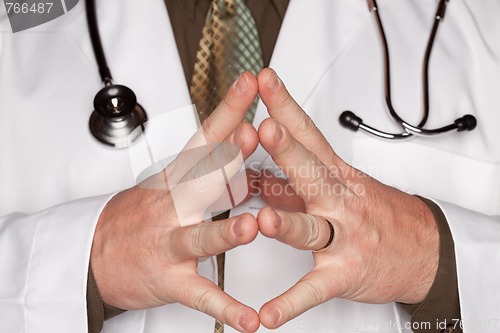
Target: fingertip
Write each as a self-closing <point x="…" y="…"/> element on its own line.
<point x="251" y="77"/>
<point x="245" y="228"/>
<point x="269" y="222"/>
<point x="249" y="322"/>
<point x="244" y="90"/>
<point x="241" y="94"/>
<point x="270" y="316"/>
<point x="271" y="133"/>
<point x="266" y="126"/>
<point x="263" y="74"/>
<point x="250" y="139"/>
<point x="268" y="82"/>
<point x="246" y="83"/>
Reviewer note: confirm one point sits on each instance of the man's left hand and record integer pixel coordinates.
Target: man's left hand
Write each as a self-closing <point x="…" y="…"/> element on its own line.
<point x="386" y="244"/>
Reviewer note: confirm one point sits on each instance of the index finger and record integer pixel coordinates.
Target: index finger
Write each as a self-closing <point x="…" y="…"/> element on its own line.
<point x="203" y="295"/>
<point x="225" y="120"/>
<point x="282" y="107"/>
<point x="310" y="291"/>
<point x="209" y="239"/>
<point x="302" y="231"/>
<point x="229" y="114"/>
<point x="308" y="176"/>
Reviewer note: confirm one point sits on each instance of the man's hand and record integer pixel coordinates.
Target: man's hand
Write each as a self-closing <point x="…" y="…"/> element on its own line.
<point x="386" y="243"/>
<point x="146" y="248"/>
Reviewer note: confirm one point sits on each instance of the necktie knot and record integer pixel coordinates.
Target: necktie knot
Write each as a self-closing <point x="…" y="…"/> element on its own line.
<point x="225" y="8"/>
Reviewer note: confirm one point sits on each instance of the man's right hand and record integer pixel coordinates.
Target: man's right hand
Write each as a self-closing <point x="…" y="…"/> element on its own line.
<point x="144" y="255"/>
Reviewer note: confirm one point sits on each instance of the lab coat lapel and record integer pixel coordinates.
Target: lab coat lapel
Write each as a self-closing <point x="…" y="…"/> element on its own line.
<point x="312" y="37"/>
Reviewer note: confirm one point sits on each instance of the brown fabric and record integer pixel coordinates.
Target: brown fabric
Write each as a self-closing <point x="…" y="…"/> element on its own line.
<point x="188" y="17"/>
<point x="441" y="307"/>
<point x="97" y="310"/>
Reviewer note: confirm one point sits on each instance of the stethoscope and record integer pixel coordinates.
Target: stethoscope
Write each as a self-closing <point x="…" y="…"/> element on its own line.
<point x="350" y="120"/>
<point x="117" y="119"/>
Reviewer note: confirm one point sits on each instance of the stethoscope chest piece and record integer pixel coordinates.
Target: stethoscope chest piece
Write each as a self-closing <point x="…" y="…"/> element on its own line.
<point x="117" y="116"/>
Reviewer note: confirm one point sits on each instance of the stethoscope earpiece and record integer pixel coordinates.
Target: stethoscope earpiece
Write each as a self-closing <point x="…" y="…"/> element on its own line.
<point x="349" y="120"/>
<point x="116" y="116"/>
<point x="466" y="123"/>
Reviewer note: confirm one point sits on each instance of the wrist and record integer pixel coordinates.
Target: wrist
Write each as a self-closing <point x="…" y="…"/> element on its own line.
<point x="422" y="240"/>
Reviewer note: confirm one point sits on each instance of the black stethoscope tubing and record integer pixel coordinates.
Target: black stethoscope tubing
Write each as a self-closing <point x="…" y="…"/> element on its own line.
<point x="350" y="120"/>
<point x="117" y="119"/>
<point x="95" y="38"/>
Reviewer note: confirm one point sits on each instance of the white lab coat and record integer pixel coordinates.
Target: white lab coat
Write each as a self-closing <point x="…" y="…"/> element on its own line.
<point x="329" y="56"/>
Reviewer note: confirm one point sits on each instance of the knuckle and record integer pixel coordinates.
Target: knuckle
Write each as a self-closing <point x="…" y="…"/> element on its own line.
<point x="285" y="100"/>
<point x="197" y="241"/>
<point x="305" y="125"/>
<point x="289" y="229"/>
<point x="314" y="293"/>
<point x="290" y="304"/>
<point x="203" y="301"/>
<point x="223" y="231"/>
<point x="225" y="316"/>
<point x="289" y="150"/>
<point x="312" y="237"/>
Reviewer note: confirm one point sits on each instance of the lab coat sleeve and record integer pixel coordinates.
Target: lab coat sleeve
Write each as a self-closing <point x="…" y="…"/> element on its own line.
<point x="44" y="260"/>
<point x="477" y="250"/>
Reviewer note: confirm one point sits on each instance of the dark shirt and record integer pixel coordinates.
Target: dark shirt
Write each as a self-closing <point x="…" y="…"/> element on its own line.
<point x="187" y="18"/>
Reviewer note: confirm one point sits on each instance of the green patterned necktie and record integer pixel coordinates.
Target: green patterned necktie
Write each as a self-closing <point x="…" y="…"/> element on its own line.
<point x="228" y="46"/>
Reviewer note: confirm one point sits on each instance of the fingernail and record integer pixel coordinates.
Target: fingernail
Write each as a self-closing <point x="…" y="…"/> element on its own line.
<point x="244" y="322"/>
<point x="238" y="228"/>
<point x="273" y="81"/>
<point x="276" y="220"/>
<point x="275" y="316"/>
<point x="242" y="83"/>
<point x="278" y="131"/>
